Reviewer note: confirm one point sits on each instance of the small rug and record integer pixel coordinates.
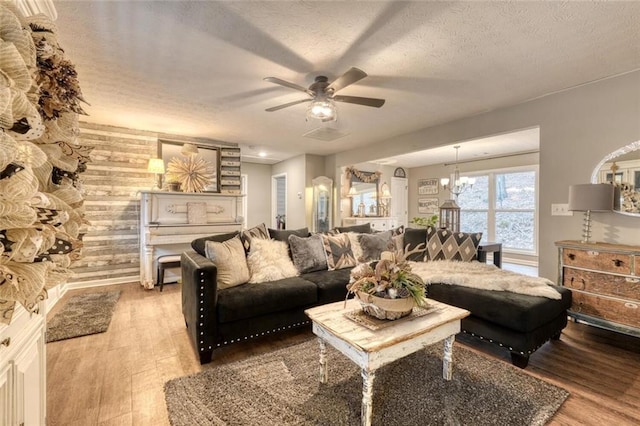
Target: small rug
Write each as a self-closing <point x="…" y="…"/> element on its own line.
<point x="282" y="388"/>
<point x="83" y="314"/>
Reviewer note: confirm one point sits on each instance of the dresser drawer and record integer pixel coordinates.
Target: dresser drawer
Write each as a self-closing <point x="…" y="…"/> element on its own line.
<point x="618" y="311"/>
<point x="594" y="282"/>
<point x="602" y="261"/>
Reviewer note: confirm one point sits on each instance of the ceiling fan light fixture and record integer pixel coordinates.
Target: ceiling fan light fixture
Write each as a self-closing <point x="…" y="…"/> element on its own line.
<point x="322" y="109"/>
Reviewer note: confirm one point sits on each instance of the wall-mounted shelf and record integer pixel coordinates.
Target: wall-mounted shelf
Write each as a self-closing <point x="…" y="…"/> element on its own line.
<point x="230" y="171"/>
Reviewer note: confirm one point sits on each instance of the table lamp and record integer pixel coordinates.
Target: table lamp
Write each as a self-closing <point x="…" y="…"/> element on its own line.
<point x="156" y="166"/>
<point x="589" y="198"/>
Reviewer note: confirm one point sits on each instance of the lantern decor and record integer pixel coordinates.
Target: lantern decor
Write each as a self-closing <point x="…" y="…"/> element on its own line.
<point x="450" y="216"/>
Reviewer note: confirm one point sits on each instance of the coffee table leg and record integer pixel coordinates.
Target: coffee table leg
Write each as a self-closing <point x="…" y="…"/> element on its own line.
<point x="447" y="359"/>
<point x="324" y="376"/>
<point x="367" y="396"/>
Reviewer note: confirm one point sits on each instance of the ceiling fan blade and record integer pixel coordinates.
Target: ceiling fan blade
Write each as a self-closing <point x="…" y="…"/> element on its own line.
<point x="354" y="74"/>
<point x="276" y="108"/>
<point x="289" y="85"/>
<point x="372" y="102"/>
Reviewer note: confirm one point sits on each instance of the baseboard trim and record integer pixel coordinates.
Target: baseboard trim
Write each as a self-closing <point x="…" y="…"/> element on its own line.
<point x="100" y="283"/>
<point x="56" y="293"/>
<point x="520" y="262"/>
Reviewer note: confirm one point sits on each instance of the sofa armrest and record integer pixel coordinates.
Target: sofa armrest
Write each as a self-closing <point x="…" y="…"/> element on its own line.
<point x="199" y="301"/>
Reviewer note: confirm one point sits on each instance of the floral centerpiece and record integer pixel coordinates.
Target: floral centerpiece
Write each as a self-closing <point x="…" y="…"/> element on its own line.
<point x="387" y="289"/>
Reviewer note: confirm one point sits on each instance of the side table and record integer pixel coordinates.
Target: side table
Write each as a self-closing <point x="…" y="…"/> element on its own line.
<point x="495" y="248"/>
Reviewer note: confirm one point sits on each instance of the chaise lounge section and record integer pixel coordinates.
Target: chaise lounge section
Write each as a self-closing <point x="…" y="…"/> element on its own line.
<point x="517" y="322"/>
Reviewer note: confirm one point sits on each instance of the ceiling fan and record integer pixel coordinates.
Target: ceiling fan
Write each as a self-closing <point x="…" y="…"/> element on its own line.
<point x="322" y="94"/>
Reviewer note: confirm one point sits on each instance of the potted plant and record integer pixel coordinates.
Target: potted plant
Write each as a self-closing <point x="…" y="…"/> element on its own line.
<point x="386" y="288"/>
<point x="425" y="221"/>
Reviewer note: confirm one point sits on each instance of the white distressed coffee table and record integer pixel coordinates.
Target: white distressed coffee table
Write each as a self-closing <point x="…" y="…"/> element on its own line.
<point x="371" y="349"/>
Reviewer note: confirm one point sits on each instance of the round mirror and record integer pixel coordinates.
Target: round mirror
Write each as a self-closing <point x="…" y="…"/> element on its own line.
<point x="622" y="169"/>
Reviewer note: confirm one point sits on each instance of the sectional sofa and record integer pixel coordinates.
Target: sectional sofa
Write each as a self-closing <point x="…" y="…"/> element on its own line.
<point x="216" y="317"/>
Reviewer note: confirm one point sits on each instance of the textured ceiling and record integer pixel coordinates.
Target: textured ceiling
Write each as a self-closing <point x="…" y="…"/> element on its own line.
<point x="197" y="68"/>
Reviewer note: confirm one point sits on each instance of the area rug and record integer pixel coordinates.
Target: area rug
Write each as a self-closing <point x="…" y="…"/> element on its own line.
<point x="83" y="314"/>
<point x="282" y="388"/>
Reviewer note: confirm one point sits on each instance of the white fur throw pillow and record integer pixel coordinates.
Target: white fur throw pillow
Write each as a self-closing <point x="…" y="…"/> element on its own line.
<point x="230" y="261"/>
<point x="269" y="260"/>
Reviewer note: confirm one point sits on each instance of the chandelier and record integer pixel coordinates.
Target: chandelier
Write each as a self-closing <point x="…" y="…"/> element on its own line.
<point x="460" y="183"/>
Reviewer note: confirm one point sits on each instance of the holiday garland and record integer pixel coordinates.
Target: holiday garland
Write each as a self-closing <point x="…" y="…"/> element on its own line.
<point x="40" y="162"/>
<point x="366" y="177"/>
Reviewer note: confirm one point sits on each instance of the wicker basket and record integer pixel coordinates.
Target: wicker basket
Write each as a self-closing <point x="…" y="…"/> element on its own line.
<point x="390" y="309"/>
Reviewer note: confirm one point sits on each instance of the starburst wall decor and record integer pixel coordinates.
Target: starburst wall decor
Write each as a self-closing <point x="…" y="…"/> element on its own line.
<point x="193" y="173"/>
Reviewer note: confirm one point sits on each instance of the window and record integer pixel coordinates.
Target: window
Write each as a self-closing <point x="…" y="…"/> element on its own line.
<point x="502" y="205"/>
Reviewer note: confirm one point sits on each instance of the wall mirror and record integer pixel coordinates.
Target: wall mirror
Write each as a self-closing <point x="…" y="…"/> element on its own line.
<point x="322" y="190"/>
<point x="363" y="192"/>
<point x="622" y="168"/>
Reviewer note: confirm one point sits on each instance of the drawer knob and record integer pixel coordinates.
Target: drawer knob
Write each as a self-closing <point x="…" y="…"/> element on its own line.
<point x="631" y="305"/>
<point x="632" y="280"/>
<point x="618" y="262"/>
<point x="6" y="342"/>
<point x="572" y="256"/>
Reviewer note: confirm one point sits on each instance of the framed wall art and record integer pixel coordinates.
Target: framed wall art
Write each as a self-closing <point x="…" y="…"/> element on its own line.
<point x="204" y="160"/>
<point x="428" y="205"/>
<point x="399" y="172"/>
<point x="428" y="186"/>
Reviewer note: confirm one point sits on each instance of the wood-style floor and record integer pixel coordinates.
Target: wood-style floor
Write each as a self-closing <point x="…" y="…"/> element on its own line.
<point x="117" y="377"/>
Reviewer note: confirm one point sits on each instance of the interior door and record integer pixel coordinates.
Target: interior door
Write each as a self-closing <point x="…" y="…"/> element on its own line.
<point x="400" y="200"/>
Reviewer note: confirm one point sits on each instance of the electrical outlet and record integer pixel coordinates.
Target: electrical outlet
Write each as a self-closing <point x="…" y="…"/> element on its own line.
<point x="560" y="210"/>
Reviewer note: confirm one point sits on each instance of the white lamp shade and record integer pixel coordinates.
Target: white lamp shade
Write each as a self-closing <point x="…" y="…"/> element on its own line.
<point x="156" y="165"/>
<point x="591" y="197"/>
<point x="352" y="192"/>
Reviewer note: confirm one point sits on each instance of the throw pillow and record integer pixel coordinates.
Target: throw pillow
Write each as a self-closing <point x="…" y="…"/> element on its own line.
<point x="374" y="244"/>
<point x="443" y="244"/>
<point x="230" y="261"/>
<point x="412" y="238"/>
<point x="308" y="253"/>
<point x="199" y="244"/>
<point x="360" y="229"/>
<point x="283" y="235"/>
<point x="397" y="231"/>
<point x="259" y="231"/>
<point x="269" y="260"/>
<point x="356" y="248"/>
<point x="338" y="251"/>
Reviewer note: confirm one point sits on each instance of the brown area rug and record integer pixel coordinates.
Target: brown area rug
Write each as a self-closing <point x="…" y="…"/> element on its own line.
<point x="83" y="314"/>
<point x="282" y="388"/>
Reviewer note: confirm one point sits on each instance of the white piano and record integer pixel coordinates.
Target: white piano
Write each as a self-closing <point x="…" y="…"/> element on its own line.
<point x="169" y="221"/>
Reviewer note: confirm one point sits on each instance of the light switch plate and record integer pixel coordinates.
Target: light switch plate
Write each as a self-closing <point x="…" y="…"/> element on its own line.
<point x="560" y="210"/>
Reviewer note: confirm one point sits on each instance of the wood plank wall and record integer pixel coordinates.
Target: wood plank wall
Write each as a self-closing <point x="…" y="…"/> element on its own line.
<point x="117" y="171"/>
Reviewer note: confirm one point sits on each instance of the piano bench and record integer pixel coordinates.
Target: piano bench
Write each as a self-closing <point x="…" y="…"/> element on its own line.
<point x="165" y="262"/>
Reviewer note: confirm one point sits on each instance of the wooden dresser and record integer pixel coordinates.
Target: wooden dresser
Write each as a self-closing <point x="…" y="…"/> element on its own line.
<point x="605" y="282"/>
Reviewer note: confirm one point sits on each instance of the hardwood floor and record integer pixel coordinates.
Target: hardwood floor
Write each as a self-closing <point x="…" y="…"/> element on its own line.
<point x="117" y="377"/>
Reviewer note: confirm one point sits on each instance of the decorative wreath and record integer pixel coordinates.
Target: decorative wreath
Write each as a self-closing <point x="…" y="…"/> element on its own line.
<point x="366" y="177"/>
<point x="193" y="173"/>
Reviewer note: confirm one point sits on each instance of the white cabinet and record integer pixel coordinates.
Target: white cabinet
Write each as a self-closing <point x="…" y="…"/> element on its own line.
<point x="377" y="223"/>
<point x="23" y="370"/>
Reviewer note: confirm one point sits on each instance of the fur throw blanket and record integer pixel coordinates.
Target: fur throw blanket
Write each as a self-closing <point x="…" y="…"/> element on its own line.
<point x="483" y="276"/>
